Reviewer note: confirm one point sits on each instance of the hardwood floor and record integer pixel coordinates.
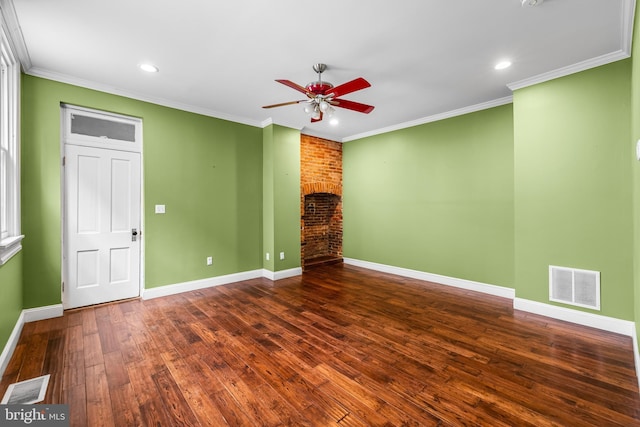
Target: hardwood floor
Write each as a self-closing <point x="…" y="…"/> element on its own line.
<point x="338" y="346"/>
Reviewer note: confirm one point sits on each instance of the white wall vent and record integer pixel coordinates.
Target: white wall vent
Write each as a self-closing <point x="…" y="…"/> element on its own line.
<point x="574" y="286"/>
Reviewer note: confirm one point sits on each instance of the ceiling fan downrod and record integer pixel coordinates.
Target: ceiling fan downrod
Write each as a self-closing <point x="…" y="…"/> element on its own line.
<point x="319" y="68"/>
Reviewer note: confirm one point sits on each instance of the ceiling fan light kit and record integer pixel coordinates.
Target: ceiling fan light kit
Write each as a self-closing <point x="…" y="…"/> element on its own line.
<point x="323" y="96"/>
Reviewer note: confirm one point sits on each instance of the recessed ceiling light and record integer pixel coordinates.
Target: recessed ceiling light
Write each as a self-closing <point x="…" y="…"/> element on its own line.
<point x="502" y="65"/>
<point x="333" y="121"/>
<point x="149" y="68"/>
<point x="531" y="3"/>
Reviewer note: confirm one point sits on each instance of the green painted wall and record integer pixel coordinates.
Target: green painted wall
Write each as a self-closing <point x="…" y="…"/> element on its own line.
<point x="493" y="196"/>
<point x="287" y="196"/>
<point x="11" y="301"/>
<point x="208" y="173"/>
<point x="281" y="173"/>
<point x="268" y="197"/>
<point x="573" y="183"/>
<point x="635" y="164"/>
<point x="436" y="198"/>
<point x="40" y="188"/>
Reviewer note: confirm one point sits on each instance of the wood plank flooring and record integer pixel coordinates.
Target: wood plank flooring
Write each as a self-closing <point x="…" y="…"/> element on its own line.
<point x="339" y="345"/>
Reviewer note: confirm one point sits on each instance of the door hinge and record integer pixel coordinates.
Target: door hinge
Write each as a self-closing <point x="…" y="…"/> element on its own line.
<point x="64" y="160"/>
<point x="63" y="287"/>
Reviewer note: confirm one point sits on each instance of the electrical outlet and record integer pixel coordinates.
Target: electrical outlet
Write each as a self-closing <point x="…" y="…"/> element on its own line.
<point x="209" y="260"/>
<point x="160" y="209"/>
<point x="267" y="256"/>
<point x="281" y="255"/>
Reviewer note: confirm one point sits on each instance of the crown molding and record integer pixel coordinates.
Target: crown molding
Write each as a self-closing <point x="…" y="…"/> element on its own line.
<point x="570" y="69"/>
<point x="626" y="40"/>
<point x="16" y="38"/>
<point x="628" y="16"/>
<point x="312" y="132"/>
<point x="63" y="78"/>
<point x="14" y="33"/>
<point x="436" y="117"/>
<point x="269" y="121"/>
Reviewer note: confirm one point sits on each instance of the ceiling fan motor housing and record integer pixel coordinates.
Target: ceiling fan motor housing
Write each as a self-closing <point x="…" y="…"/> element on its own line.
<point x="319" y="88"/>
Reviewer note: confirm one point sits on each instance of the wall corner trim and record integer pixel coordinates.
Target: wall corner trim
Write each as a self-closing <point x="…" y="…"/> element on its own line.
<point x="484" y="288"/>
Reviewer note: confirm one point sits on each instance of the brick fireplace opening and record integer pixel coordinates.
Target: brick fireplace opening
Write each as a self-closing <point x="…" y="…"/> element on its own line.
<point x="321" y="201"/>
<point x="322" y="228"/>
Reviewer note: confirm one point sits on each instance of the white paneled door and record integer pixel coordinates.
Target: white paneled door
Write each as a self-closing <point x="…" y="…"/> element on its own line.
<point x="102" y="229"/>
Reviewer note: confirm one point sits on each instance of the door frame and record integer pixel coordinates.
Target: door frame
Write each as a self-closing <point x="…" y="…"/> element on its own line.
<point x="65" y="132"/>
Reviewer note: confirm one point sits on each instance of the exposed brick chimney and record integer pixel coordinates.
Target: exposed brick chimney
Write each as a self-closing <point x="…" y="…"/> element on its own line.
<point x="321" y="200"/>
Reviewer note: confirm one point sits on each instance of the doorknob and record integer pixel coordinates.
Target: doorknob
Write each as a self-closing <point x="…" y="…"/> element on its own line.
<point x="134" y="234"/>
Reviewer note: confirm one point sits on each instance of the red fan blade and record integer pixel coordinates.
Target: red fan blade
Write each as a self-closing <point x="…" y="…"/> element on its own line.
<point x="348" y="87"/>
<point x="352" y="105"/>
<point x="294" y="86"/>
<point x="318" y="119"/>
<point x="284" y="103"/>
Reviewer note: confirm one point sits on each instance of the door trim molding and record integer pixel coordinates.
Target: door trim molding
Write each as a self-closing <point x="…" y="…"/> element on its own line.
<point x="139" y="148"/>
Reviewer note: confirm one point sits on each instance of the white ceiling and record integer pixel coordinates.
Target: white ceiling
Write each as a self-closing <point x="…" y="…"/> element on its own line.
<point x="425" y="59"/>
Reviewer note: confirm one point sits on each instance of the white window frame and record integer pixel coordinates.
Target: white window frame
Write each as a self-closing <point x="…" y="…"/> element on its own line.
<point x="10" y="232"/>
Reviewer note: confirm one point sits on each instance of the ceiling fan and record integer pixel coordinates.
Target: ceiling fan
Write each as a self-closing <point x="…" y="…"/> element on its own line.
<point x="323" y="96"/>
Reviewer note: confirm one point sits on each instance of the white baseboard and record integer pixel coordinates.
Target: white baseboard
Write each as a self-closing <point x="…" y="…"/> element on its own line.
<point x="11" y="344"/>
<point x="57" y="310"/>
<point x="163" y="291"/>
<point x="277" y="275"/>
<point x="485" y="288"/>
<point x="636" y="354"/>
<point x="605" y="323"/>
<point x="610" y="324"/>
<point x="42" y="313"/>
<point x="27" y="315"/>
